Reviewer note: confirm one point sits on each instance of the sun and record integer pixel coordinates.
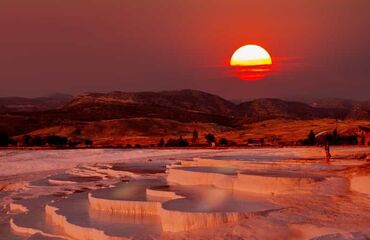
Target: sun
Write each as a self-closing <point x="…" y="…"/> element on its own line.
<point x="250" y="55"/>
<point x="251" y="62"/>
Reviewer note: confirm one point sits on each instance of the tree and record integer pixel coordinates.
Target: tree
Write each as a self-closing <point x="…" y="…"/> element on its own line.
<point x="223" y="142"/>
<point x="4" y="139"/>
<point x="210" y="138"/>
<point x="311" y="139"/>
<point x="335" y="133"/>
<point x="161" y="143"/>
<point x="336" y="139"/>
<point x="77" y="132"/>
<point x="195" y="137"/>
<point x="262" y="141"/>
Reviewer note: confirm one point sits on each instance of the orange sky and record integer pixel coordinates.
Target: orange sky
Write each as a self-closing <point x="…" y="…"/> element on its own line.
<point x="322" y="47"/>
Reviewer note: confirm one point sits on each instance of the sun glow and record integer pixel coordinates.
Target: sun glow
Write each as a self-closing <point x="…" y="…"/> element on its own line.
<point x="251" y="62"/>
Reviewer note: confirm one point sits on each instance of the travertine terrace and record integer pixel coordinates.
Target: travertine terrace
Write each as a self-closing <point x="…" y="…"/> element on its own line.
<point x="210" y="197"/>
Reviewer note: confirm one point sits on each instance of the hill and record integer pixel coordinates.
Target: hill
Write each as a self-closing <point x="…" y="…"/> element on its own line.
<point x="183" y="106"/>
<point x="108" y="116"/>
<point x="188" y="100"/>
<point x="265" y="109"/>
<point x="21" y="104"/>
<point x="350" y="109"/>
<point x="338" y="103"/>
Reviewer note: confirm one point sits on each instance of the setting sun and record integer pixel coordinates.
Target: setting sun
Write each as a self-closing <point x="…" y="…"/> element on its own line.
<point x="251" y="62"/>
<point x="250" y="55"/>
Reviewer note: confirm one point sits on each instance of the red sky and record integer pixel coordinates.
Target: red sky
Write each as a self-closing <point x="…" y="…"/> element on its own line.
<point x="149" y="45"/>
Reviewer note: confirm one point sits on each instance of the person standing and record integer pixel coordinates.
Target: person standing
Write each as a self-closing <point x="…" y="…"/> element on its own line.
<point x="327" y="152"/>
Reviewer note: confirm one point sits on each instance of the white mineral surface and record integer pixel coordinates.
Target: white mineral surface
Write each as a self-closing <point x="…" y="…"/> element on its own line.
<point x="262" y="193"/>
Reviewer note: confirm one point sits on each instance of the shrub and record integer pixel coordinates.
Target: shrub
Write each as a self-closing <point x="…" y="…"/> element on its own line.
<point x="161" y="143"/>
<point x="180" y="142"/>
<point x="224" y="142"/>
<point x="27" y="140"/>
<point x="38" y="141"/>
<point x="4" y="139"/>
<point x="88" y="142"/>
<point x="183" y="142"/>
<point x="77" y="132"/>
<point x="55" y="140"/>
<point x="172" y="143"/>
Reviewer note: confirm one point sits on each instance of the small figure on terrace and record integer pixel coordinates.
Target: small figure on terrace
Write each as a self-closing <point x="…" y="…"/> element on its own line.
<point x="327" y="152"/>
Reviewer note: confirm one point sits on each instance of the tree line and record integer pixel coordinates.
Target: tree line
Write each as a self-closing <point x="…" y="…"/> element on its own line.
<point x="38" y="141"/>
<point x="194" y="141"/>
<point x="331" y="138"/>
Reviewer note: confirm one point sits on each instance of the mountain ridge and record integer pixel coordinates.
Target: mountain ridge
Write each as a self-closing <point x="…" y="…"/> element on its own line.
<point x="184" y="106"/>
